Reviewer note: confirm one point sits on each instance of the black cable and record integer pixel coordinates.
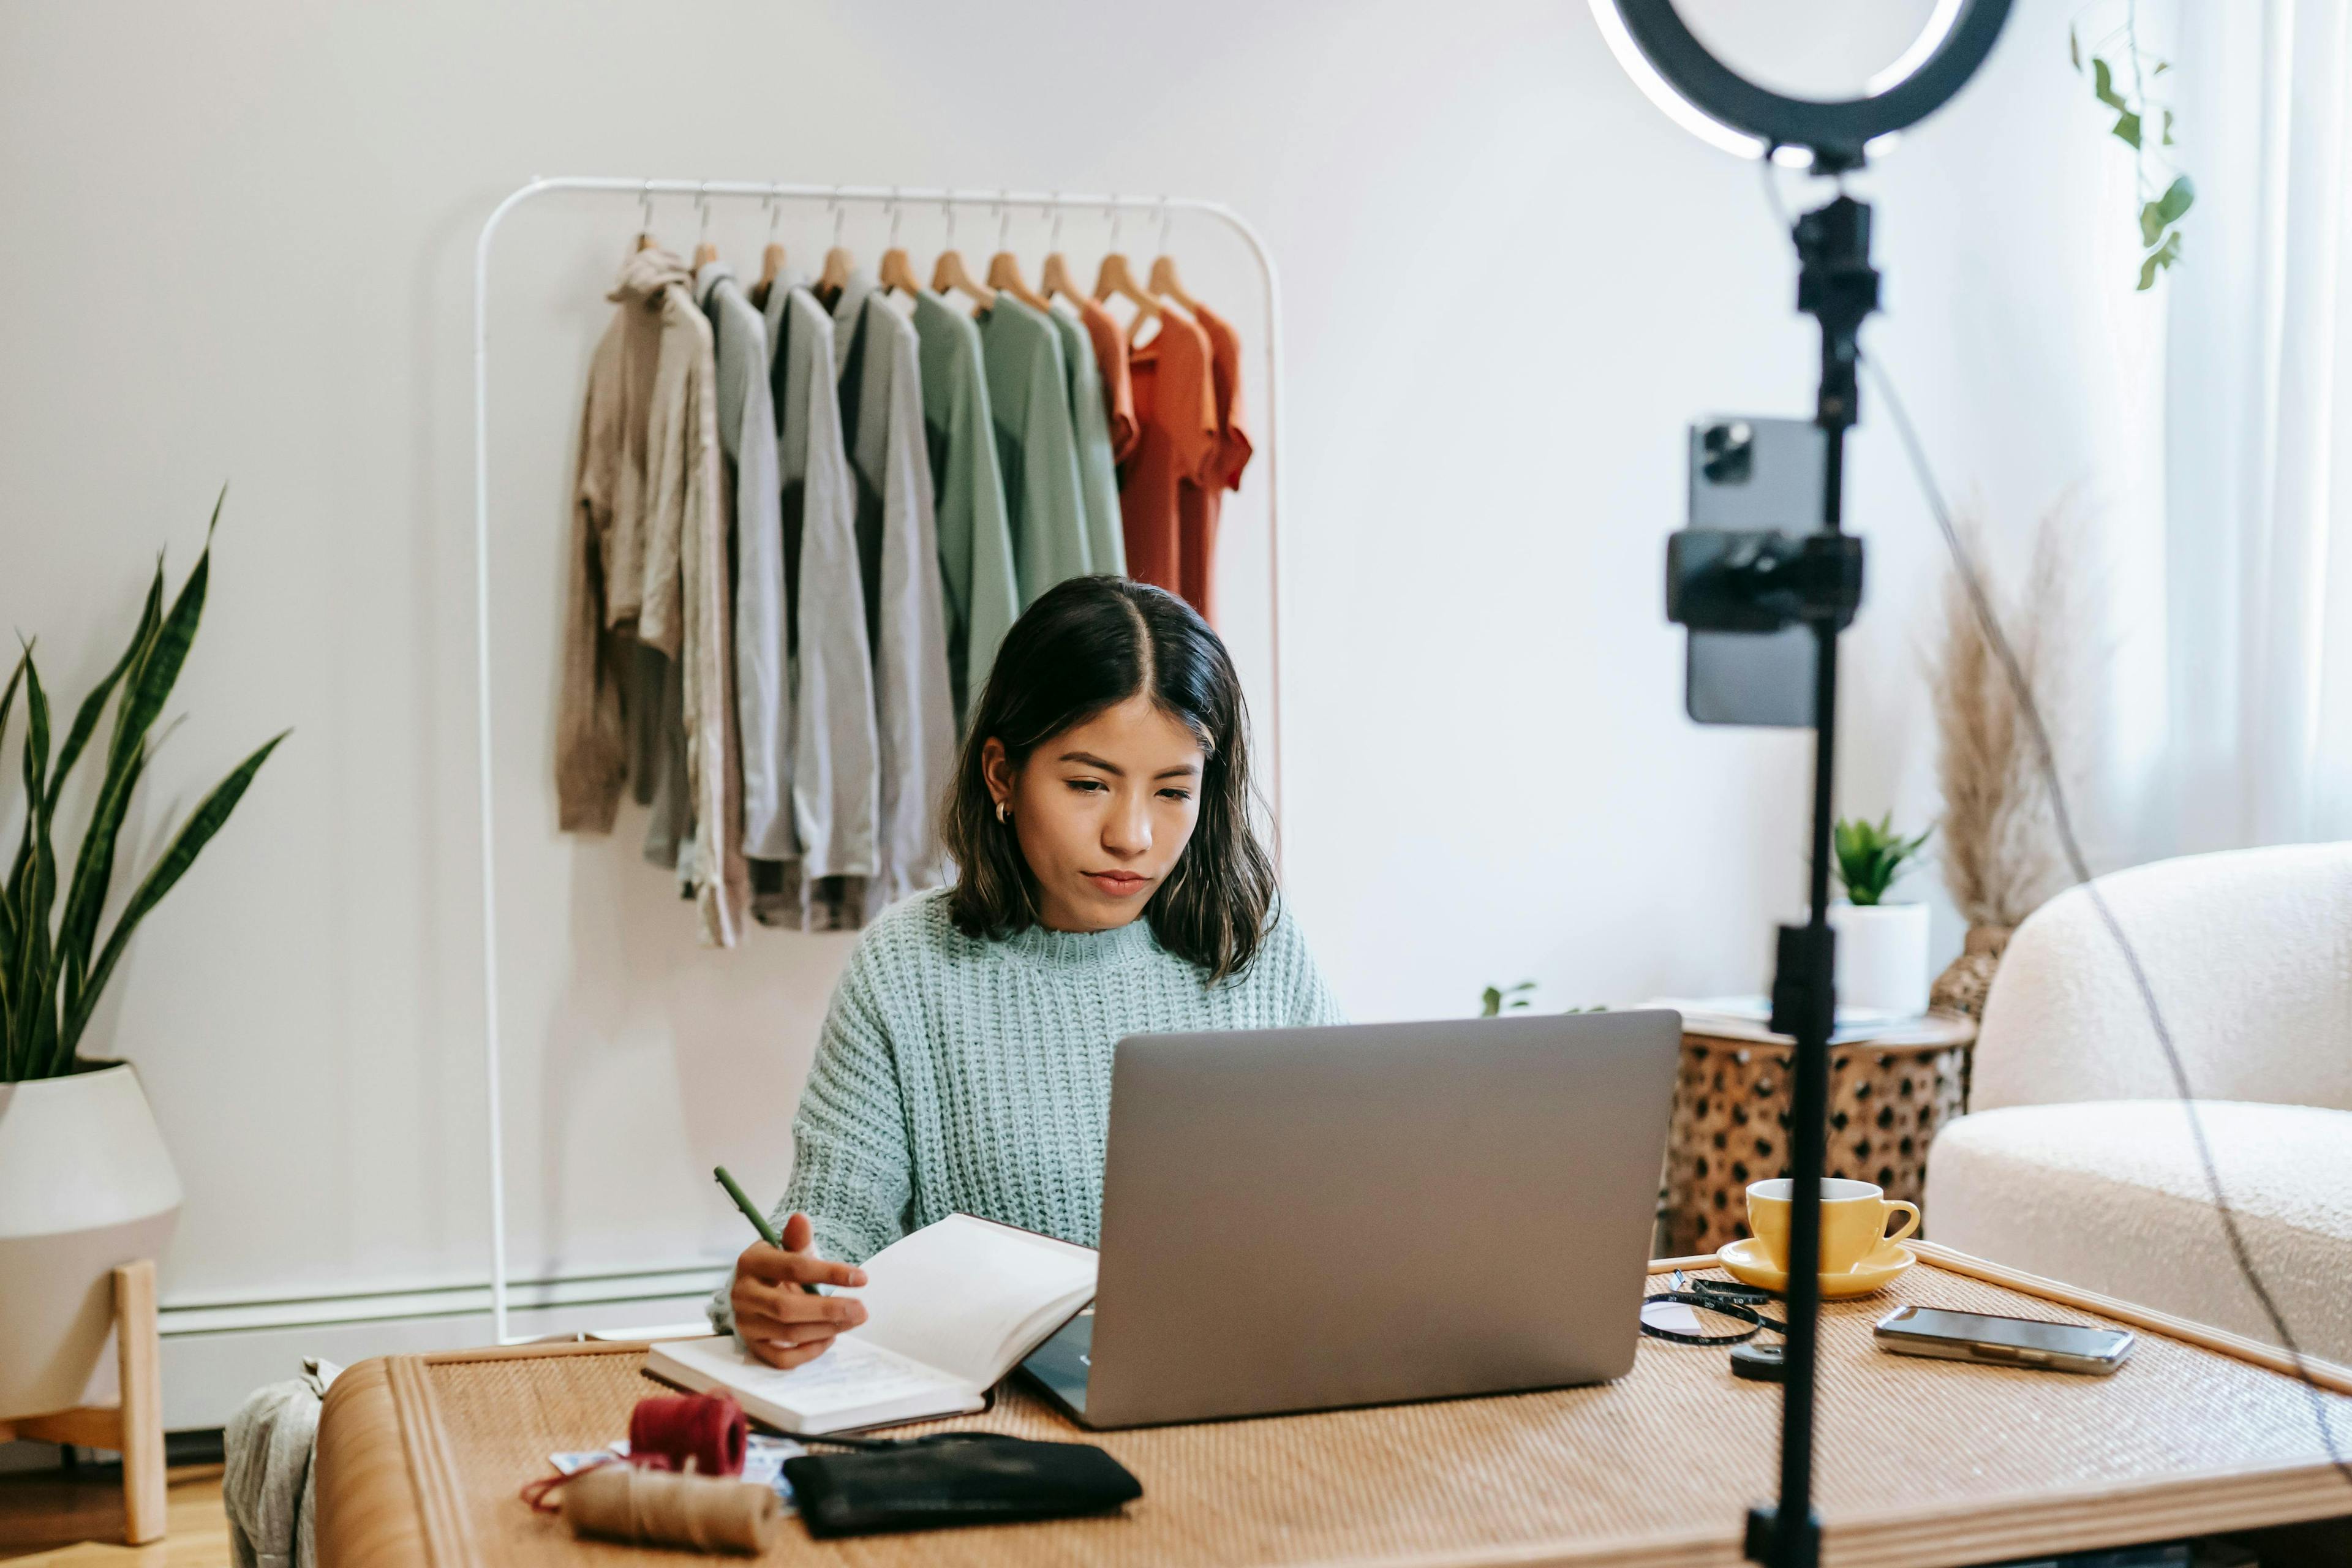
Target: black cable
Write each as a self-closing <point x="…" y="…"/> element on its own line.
<point x="2045" y="758"/>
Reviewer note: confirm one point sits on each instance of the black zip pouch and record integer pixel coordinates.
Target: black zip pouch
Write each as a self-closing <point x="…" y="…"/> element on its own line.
<point x="954" y="1477"/>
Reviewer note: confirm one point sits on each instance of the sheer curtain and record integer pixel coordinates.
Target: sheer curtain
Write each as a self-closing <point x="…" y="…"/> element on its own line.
<point x="2259" y="432"/>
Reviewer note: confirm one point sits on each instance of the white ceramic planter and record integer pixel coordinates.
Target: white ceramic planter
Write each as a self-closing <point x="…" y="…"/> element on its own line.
<point x="85" y="1185"/>
<point x="1882" y="957"/>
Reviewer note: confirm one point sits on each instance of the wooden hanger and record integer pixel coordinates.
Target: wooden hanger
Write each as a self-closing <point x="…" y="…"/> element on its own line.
<point x="1165" y="283"/>
<point x="1005" y="268"/>
<point x="771" y="260"/>
<point x="646" y="240"/>
<point x="837" y="261"/>
<point x="897" y="271"/>
<point x="950" y="272"/>
<point x="1114" y="278"/>
<point x="1168" y="286"/>
<point x="705" y="253"/>
<point x="1056" y="278"/>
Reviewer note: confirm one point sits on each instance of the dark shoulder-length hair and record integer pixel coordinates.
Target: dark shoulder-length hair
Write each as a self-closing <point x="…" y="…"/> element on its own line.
<point x="1087" y="645"/>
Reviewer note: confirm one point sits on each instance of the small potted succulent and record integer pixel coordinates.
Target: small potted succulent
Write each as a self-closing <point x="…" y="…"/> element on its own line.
<point x="1881" y="947"/>
<point x="86" y="1183"/>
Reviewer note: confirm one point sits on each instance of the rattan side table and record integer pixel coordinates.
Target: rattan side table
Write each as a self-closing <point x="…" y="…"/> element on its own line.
<point x="1887" y="1099"/>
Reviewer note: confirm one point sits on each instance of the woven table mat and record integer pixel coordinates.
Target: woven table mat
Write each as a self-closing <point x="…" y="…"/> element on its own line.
<point x="1920" y="1461"/>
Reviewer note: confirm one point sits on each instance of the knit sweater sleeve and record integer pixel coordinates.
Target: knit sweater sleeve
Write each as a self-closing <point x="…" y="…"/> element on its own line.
<point x="1306" y="998"/>
<point x="852" y="1173"/>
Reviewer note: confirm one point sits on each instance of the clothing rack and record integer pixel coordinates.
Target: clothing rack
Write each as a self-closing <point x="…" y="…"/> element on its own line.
<point x="706" y="190"/>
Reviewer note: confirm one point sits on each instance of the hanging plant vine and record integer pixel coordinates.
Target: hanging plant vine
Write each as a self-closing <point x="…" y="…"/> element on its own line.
<point x="2122" y="75"/>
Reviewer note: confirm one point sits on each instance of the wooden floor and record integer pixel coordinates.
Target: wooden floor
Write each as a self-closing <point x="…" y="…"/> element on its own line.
<point x="58" y="1519"/>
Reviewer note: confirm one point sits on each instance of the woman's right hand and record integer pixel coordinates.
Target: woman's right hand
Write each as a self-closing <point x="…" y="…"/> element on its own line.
<point x="782" y="1323"/>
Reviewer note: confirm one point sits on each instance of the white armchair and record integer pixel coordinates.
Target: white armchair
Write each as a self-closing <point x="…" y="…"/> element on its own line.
<point x="2076" y="1160"/>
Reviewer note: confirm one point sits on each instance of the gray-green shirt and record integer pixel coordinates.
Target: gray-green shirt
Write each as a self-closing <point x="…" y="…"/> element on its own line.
<point x="1097" y="469"/>
<point x="897" y="537"/>
<point x="983" y="592"/>
<point x="1029" y="392"/>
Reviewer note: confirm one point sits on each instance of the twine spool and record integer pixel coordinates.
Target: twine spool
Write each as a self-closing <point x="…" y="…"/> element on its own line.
<point x="662" y="1508"/>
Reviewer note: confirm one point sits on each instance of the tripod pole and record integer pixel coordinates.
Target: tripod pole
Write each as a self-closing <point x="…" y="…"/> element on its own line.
<point x="1837" y="285"/>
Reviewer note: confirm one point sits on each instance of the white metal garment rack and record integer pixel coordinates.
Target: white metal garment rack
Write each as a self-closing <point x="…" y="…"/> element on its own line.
<point x="867" y="196"/>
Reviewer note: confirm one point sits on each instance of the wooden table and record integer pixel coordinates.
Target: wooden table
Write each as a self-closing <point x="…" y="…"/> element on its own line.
<point x="1888" y="1098"/>
<point x="1923" y="1462"/>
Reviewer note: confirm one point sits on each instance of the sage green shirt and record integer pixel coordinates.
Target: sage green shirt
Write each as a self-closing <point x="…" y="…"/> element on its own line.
<point x="1097" y="469"/>
<point x="976" y="569"/>
<point x="1037" y="445"/>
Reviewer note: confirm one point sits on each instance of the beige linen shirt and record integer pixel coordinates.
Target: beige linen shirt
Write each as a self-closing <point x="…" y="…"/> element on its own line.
<point x="649" y="567"/>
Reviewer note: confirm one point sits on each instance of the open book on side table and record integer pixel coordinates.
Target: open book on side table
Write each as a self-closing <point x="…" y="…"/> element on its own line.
<point x="948" y="1311"/>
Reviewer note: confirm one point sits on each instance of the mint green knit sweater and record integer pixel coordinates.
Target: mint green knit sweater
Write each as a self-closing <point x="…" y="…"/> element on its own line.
<point x="962" y="1074"/>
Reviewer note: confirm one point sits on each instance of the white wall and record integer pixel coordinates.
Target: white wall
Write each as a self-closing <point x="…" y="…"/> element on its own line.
<point x="239" y="240"/>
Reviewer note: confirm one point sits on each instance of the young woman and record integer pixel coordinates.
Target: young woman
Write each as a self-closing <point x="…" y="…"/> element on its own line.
<point x="1109" y="884"/>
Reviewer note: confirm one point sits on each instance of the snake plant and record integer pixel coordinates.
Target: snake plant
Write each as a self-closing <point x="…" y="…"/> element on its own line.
<point x="53" y="965"/>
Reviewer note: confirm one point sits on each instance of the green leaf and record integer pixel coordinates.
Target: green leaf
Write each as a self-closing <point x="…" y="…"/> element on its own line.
<point x="93" y="707"/>
<point x="2161" y="66"/>
<point x="157" y="669"/>
<point x="2128" y="128"/>
<point x="2074" y="49"/>
<point x="24" y="857"/>
<point x="9" y="695"/>
<point x="2103" y="85"/>
<point x="94" y="874"/>
<point x="34" y="893"/>
<point x="2174" y="204"/>
<point x="1871" y="856"/>
<point x="2162" y="256"/>
<point x="207" y="820"/>
<point x="2168" y="128"/>
<point x="8" y="911"/>
<point x="2152" y="223"/>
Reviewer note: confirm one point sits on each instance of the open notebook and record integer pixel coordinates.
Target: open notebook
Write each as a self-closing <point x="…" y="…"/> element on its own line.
<point x="948" y="1311"/>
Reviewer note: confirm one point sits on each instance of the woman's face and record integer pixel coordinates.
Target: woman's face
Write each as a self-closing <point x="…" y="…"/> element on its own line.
<point x="1102" y="812"/>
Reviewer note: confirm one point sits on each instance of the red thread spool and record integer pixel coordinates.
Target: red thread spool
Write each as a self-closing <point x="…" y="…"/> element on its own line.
<point x="701" y="1432"/>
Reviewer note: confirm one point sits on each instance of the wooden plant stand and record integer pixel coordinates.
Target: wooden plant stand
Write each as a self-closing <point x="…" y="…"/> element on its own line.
<point x="134" y="1428"/>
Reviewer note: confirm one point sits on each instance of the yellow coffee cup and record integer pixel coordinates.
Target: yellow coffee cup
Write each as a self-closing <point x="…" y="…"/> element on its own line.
<point x="1853" y="1221"/>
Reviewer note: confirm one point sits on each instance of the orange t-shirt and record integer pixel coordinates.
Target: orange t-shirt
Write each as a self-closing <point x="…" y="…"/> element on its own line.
<point x="1177" y="442"/>
<point x="1201" y="507"/>
<point x="1118" y="388"/>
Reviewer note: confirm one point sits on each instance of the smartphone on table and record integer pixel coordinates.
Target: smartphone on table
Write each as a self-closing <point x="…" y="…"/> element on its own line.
<point x="2002" y="1341"/>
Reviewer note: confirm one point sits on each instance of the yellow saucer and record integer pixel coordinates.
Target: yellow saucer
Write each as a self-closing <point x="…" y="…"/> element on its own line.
<point x="1750" y="1265"/>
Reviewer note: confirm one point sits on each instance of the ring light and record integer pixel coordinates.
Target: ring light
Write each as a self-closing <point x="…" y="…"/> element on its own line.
<point x="1726" y="109"/>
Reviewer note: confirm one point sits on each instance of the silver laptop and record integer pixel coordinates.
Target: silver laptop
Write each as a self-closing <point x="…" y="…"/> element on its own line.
<point x="1299" y="1219"/>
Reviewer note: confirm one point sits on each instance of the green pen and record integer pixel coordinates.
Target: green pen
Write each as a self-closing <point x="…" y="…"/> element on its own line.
<point x="752" y="1211"/>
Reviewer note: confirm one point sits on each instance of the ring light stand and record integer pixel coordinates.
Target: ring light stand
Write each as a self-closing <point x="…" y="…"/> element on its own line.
<point x="1815" y="581"/>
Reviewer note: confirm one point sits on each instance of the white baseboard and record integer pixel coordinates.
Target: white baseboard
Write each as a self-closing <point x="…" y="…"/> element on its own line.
<point x="215" y="1353"/>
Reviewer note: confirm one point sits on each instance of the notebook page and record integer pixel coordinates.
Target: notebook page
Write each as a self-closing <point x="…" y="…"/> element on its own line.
<point x="851" y="1377"/>
<point x="957" y="1294"/>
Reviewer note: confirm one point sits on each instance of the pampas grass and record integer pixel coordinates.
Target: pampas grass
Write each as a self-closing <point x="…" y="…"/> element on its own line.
<point x="2001" y="855"/>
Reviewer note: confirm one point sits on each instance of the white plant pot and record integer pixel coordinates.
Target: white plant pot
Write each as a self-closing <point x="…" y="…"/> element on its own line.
<point x="85" y="1186"/>
<point x="1882" y="957"/>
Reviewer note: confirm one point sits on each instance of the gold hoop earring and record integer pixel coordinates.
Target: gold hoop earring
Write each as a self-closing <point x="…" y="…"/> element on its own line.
<point x="1004" y="811"/>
